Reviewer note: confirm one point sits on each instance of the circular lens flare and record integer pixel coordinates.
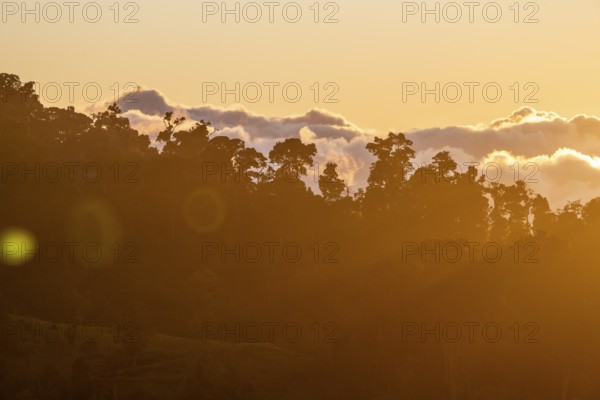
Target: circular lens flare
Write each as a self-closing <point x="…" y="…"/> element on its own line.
<point x="17" y="246"/>
<point x="204" y="210"/>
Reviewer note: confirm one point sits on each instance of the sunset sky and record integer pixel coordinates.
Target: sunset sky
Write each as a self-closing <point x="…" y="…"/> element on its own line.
<point x="368" y="55"/>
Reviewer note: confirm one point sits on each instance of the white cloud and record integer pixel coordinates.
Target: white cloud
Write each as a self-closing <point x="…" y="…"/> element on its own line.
<point x="565" y="150"/>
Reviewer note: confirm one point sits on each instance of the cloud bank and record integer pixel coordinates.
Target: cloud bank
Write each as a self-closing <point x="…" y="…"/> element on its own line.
<point x="557" y="156"/>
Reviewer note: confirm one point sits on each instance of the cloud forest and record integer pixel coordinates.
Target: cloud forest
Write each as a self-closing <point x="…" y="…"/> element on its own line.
<point x="195" y="266"/>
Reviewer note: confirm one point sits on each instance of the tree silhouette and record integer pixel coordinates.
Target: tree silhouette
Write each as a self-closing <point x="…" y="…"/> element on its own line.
<point x="293" y="158"/>
<point x="389" y="172"/>
<point x="331" y="186"/>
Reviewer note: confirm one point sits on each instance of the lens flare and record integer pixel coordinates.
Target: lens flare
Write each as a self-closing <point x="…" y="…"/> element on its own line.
<point x="204" y="210"/>
<point x="17" y="246"/>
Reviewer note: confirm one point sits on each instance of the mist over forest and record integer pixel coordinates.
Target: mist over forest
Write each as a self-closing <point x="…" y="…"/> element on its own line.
<point x="211" y="270"/>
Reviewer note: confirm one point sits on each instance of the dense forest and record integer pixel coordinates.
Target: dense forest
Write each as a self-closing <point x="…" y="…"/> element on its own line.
<point x="213" y="271"/>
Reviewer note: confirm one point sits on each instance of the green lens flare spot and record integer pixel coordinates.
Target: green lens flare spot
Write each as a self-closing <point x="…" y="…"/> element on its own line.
<point x="17" y="246"/>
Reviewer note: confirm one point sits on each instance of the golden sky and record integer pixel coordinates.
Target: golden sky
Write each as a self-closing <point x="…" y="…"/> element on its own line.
<point x="368" y="55"/>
